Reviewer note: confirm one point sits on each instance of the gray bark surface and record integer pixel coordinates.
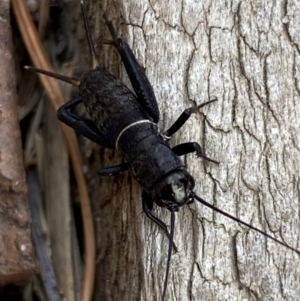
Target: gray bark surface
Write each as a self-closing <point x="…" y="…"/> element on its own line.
<point x="246" y="53"/>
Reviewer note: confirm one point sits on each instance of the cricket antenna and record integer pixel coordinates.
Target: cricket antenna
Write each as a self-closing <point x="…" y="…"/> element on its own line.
<point x="243" y="223"/>
<point x="95" y="62"/>
<point x="70" y="80"/>
<point x="169" y="251"/>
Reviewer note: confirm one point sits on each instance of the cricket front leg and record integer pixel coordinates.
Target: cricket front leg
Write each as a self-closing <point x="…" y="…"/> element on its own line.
<point x="190" y="147"/>
<point x="147" y="208"/>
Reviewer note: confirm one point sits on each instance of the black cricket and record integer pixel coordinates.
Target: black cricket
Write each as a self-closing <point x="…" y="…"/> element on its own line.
<point x="127" y="122"/>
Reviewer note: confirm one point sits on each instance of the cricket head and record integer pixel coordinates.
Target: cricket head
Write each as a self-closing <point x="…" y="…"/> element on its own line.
<point x="174" y="190"/>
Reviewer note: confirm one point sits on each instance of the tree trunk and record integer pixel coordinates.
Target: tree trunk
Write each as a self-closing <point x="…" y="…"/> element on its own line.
<point x="17" y="259"/>
<point x="246" y="54"/>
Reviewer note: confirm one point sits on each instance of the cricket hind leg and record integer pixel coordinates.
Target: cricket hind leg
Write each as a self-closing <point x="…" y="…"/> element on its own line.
<point x="147" y="208"/>
<point x="136" y="74"/>
<point x="84" y="126"/>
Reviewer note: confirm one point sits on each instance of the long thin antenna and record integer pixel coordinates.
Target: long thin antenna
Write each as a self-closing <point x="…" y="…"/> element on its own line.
<point x="70" y="80"/>
<point x="95" y="62"/>
<point x="243" y="223"/>
<point x="169" y="252"/>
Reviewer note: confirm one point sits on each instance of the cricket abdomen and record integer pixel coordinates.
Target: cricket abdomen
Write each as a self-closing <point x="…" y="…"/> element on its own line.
<point x="110" y="104"/>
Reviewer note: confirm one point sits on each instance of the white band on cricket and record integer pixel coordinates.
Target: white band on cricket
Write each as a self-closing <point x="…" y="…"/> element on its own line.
<point x="130" y="126"/>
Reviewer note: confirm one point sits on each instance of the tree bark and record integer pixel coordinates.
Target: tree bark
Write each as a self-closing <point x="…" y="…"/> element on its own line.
<point x="246" y="54"/>
<point x="17" y="259"/>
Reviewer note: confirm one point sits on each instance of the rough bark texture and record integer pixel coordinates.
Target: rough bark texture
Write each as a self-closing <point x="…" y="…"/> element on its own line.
<point x="17" y="261"/>
<point x="246" y="53"/>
